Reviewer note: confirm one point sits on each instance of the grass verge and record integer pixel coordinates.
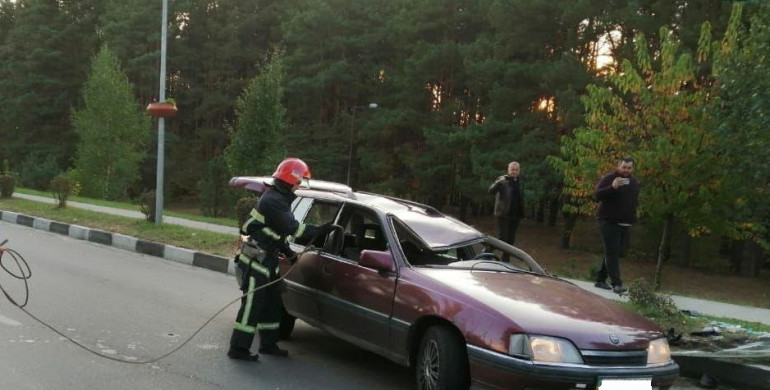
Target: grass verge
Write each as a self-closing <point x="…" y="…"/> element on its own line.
<point x="200" y="240"/>
<point x="130" y="206"/>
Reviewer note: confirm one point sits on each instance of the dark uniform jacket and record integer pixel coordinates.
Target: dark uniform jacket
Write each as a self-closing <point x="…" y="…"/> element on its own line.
<point x="617" y="204"/>
<point x="271" y="223"/>
<point x="505" y="196"/>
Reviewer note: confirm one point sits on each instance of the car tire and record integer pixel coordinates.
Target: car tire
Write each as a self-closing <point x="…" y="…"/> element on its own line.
<point x="286" y="325"/>
<point x="442" y="361"/>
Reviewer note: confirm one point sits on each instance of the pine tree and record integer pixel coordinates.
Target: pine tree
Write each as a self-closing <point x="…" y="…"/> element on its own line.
<point x="113" y="131"/>
<point x="257" y="143"/>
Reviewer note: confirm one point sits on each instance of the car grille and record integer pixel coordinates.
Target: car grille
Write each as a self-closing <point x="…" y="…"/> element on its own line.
<point x="615" y="358"/>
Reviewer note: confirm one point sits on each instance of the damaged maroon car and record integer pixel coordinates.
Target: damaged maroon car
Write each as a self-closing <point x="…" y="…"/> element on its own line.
<point x="425" y="290"/>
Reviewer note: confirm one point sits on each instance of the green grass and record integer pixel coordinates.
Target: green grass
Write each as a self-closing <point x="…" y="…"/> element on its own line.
<point x="200" y="240"/>
<point x="132" y="207"/>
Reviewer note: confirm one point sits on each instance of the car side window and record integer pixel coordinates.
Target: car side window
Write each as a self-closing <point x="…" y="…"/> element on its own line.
<point x="300" y="207"/>
<point x="316" y="213"/>
<point x="321" y="212"/>
<point x="362" y="231"/>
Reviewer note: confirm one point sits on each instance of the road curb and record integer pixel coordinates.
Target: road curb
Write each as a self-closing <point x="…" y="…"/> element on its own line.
<point x="124" y="242"/>
<point x="744" y="376"/>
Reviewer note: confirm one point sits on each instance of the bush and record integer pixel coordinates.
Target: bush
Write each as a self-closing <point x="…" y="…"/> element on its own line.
<point x="7" y="186"/>
<point x="147" y="204"/>
<point x="63" y="186"/>
<point x="215" y="196"/>
<point x="243" y="208"/>
<point x="7" y="181"/>
<point x="659" y="308"/>
<point x="37" y="170"/>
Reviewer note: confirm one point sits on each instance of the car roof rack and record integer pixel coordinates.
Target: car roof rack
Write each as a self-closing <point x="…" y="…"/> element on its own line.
<point x="259" y="184"/>
<point x="429" y="210"/>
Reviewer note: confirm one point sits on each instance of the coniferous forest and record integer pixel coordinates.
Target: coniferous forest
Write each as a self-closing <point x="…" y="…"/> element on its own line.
<point x="461" y="88"/>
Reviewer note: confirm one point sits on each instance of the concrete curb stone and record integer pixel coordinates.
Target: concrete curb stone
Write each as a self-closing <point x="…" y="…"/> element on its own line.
<point x="121" y="241"/>
<point x="42" y="224"/>
<point x="79" y="232"/>
<point x="10" y="216"/>
<point x="59" y="228"/>
<point x="179" y="255"/>
<point x="25" y="220"/>
<point x="124" y="242"/>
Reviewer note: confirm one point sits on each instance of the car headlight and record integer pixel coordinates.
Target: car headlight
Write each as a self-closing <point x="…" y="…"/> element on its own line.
<point x="544" y="349"/>
<point x="658" y="352"/>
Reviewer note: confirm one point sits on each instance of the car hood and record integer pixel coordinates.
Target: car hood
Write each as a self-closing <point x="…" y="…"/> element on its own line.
<point x="544" y="305"/>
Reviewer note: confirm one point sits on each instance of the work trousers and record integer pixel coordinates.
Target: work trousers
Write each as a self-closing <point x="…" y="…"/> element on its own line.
<point x="613" y="237"/>
<point x="506" y="231"/>
<point x="506" y="228"/>
<point x="260" y="310"/>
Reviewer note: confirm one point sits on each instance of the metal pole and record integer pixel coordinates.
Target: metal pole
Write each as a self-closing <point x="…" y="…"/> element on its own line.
<point x="161" y="120"/>
<point x="350" y="144"/>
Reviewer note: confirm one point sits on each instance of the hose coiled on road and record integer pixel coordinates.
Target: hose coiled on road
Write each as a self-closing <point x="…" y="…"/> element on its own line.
<point x="26" y="273"/>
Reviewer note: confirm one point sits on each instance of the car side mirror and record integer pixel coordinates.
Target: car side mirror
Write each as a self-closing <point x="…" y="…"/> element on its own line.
<point x="379" y="260"/>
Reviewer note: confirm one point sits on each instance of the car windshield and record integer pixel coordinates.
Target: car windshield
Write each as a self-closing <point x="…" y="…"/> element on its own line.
<point x="486" y="253"/>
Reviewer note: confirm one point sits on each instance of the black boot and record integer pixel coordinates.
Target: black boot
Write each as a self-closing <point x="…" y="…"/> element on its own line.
<point x="242" y="354"/>
<point x="273" y="350"/>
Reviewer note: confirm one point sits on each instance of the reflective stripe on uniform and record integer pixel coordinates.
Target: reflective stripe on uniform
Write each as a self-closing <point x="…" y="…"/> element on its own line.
<point x="245" y="328"/>
<point x="271" y="233"/>
<point x="255" y="216"/>
<point x="268" y="325"/>
<point x="246" y="224"/>
<point x="243" y="324"/>
<point x="255" y="265"/>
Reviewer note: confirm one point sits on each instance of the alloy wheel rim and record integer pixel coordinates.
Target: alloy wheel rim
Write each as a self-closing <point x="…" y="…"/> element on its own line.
<point x="428" y="368"/>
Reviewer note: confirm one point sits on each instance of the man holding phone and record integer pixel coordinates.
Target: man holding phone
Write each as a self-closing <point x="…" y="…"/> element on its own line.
<point x="509" y="203"/>
<point x="618" y="196"/>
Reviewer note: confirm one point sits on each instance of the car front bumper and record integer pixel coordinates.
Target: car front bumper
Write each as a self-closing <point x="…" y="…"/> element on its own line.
<point x="493" y="370"/>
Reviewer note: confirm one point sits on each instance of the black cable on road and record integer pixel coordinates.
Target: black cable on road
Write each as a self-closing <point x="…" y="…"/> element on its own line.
<point x="26" y="273"/>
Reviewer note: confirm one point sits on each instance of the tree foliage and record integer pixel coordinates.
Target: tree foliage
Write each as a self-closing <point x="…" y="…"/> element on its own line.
<point x="257" y="143"/>
<point x="112" y="129"/>
<point x="742" y="122"/>
<point x="462" y="87"/>
<point x="658" y="109"/>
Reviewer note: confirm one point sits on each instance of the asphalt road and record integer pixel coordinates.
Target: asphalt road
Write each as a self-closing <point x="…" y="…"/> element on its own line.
<point x="139" y="307"/>
<point x="136" y="306"/>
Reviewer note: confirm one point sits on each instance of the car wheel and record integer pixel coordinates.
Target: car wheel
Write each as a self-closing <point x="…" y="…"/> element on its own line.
<point x="286" y="325"/>
<point x="442" y="361"/>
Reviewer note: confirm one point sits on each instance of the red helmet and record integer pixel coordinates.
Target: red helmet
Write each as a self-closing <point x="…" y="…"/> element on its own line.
<point x="292" y="171"/>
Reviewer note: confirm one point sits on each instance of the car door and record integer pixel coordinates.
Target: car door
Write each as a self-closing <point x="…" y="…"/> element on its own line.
<point x="356" y="302"/>
<point x="303" y="282"/>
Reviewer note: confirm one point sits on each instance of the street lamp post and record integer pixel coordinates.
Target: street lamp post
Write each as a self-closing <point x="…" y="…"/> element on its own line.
<point x="352" y="137"/>
<point x="161" y="120"/>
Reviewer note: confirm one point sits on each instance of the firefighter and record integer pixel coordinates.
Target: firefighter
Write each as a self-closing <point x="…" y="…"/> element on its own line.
<point x="269" y="227"/>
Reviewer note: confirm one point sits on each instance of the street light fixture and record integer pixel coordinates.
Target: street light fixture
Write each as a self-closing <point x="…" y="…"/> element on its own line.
<point x="352" y="135"/>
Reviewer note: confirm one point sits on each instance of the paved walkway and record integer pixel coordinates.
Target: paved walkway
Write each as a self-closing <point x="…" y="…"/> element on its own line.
<point x="702" y="306"/>
<point x="134" y="214"/>
<point x="699" y="305"/>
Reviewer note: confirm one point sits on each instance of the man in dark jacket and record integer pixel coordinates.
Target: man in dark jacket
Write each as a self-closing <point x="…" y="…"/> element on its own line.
<point x="509" y="203"/>
<point x="269" y="226"/>
<point x="618" y="196"/>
